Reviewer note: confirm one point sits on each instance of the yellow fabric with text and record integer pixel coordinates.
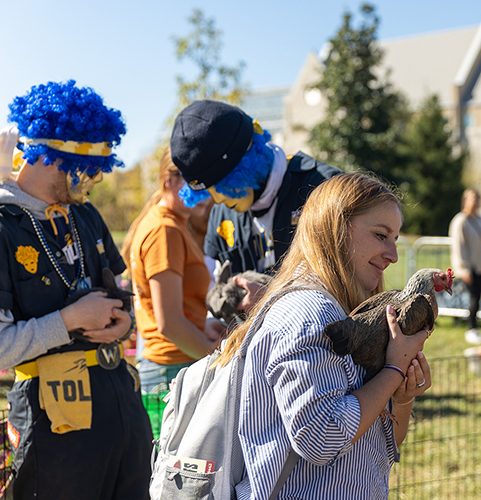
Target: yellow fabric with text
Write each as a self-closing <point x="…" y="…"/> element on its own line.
<point x="64" y="391"/>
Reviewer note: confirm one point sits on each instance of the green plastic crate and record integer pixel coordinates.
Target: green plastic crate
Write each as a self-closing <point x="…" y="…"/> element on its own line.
<point x="155" y="406"/>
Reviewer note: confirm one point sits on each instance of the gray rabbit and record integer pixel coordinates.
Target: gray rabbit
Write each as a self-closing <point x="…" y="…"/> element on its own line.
<point x="223" y="298"/>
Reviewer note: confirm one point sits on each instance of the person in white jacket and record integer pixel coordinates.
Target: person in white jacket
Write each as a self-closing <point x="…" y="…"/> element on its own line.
<point x="465" y="232"/>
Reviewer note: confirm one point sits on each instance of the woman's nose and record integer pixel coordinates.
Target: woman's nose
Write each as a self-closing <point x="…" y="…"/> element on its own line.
<point x="391" y="253"/>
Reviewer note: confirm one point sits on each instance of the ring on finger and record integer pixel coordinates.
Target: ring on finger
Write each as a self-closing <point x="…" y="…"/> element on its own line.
<point x="422" y="383"/>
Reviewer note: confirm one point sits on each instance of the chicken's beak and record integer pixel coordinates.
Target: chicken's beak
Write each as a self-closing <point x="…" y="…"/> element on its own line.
<point x="449" y="290"/>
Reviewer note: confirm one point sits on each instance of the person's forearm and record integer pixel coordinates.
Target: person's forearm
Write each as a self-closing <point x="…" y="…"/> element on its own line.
<point x="402" y="413"/>
<point x="26" y="340"/>
<point x="374" y="396"/>
<point x="186" y="336"/>
<point x="167" y="301"/>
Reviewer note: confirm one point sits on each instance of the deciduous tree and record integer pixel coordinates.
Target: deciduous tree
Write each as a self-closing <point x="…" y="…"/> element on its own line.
<point x="214" y="80"/>
<point x="119" y="197"/>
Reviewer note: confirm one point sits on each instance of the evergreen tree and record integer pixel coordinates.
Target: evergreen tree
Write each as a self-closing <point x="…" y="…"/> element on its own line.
<point x="364" y="116"/>
<point x="433" y="184"/>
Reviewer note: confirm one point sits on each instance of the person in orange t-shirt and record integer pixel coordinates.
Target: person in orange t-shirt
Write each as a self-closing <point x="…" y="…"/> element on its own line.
<point x="170" y="281"/>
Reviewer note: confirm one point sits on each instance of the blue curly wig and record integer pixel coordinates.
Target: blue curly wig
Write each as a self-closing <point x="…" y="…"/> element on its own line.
<point x="251" y="172"/>
<point x="68" y="113"/>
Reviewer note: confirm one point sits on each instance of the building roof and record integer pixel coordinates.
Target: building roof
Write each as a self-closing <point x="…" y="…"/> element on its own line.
<point x="419" y="65"/>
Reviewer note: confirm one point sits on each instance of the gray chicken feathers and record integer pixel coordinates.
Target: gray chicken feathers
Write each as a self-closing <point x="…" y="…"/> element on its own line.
<point x="364" y="334"/>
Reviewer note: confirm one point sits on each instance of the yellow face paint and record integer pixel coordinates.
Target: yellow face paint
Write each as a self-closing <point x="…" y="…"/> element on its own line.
<point x="240" y="205"/>
<point x="80" y="192"/>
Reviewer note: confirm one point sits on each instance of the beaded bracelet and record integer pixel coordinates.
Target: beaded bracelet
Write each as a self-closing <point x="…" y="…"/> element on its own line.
<point x="392" y="367"/>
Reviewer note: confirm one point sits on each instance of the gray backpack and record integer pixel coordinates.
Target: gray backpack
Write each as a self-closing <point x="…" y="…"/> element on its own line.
<point x="200" y="456"/>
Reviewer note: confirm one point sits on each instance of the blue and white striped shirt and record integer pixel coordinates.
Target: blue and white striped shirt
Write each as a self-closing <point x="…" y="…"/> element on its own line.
<point x="296" y="393"/>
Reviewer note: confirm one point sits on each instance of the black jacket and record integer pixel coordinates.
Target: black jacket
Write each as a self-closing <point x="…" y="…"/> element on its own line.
<point x="36" y="290"/>
<point x="302" y="176"/>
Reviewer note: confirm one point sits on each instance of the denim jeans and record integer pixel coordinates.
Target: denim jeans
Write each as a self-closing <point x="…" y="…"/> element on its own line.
<point x="155" y="378"/>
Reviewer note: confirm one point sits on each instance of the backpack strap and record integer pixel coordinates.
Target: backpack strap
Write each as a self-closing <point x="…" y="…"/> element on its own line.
<point x="293" y="457"/>
<point x="291" y="462"/>
<point x="208" y="376"/>
<point x="259" y="319"/>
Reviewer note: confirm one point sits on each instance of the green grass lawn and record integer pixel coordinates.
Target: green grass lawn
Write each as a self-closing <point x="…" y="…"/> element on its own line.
<point x="447" y="338"/>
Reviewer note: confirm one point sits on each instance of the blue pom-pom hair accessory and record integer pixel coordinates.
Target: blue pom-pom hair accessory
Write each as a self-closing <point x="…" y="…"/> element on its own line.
<point x="251" y="172"/>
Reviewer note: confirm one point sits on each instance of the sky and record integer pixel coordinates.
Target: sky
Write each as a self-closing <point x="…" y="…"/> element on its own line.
<point x="125" y="51"/>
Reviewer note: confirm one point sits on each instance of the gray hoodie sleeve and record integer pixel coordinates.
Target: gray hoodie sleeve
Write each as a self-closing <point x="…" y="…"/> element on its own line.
<point x="26" y="340"/>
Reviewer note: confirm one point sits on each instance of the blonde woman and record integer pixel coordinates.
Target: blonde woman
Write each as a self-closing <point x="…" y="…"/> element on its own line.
<point x="297" y="393"/>
<point x="170" y="281"/>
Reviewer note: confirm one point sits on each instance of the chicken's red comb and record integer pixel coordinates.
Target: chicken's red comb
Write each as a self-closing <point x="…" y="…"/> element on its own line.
<point x="451" y="276"/>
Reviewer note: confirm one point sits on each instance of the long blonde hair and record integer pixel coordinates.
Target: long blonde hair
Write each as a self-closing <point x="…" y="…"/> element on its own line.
<point x="166" y="166"/>
<point x="320" y="248"/>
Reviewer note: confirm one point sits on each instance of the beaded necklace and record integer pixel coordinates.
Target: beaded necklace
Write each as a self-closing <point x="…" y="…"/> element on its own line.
<point x="79" y="281"/>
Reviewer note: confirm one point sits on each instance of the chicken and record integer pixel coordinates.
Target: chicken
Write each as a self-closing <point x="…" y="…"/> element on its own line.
<point x="113" y="292"/>
<point x="364" y="334"/>
<point x="224" y="297"/>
